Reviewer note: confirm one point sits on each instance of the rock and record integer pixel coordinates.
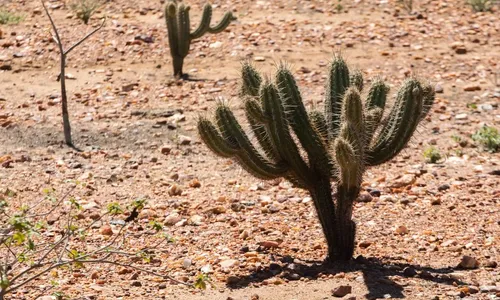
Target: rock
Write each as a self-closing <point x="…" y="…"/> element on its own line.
<point x="145" y="38"/>
<point x="269" y="244"/>
<point x="232" y="280"/>
<point x="186" y="263"/>
<point x="489" y="289"/>
<point x="409" y="272"/>
<point x="196" y="220"/>
<point x="461" y="50"/>
<point x="106" y="230"/>
<point x="443" y="187"/>
<point x="94" y="275"/>
<point x="217" y="210"/>
<point x="174" y="190"/>
<point x="473" y="289"/>
<point x="6" y="67"/>
<point x="365" y="197"/>
<point x="165" y="150"/>
<point x="172" y="219"/>
<point x="228" y="264"/>
<point x="439" y="89"/>
<point x="490" y="264"/>
<point x="184" y="140"/>
<point x="472" y="88"/>
<point x="259" y="58"/>
<point x="405" y="180"/>
<point x="461" y="117"/>
<point x="46" y="298"/>
<point x="341" y="291"/>
<point x="136" y="283"/>
<point x="468" y="262"/>
<point x="401" y="229"/>
<point x="375" y="193"/>
<point x="387" y="198"/>
<point x="364" y="244"/>
<point x="129" y="87"/>
<point x="207" y="269"/>
<point x="273" y="208"/>
<point x="436" y="201"/>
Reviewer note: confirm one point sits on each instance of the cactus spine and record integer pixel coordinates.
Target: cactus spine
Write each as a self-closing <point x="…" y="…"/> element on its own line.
<point x="338" y="144"/>
<point x="179" y="35"/>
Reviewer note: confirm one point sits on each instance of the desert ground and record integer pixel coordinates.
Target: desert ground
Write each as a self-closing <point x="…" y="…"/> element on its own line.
<point x="134" y="129"/>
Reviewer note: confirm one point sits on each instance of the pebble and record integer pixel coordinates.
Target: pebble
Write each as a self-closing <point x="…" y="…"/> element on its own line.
<point x="184" y="140"/>
<point x="196" y="220"/>
<point x="172" y="219"/>
<point x="409" y="272"/>
<point x="341" y="291"/>
<point x="439" y="89"/>
<point x="468" y="262"/>
<point x="489" y="289"/>
<point x="461" y="117"/>
<point x="228" y="264"/>
<point x="186" y="263"/>
<point x="490" y="264"/>
<point x="405" y="180"/>
<point x="472" y="88"/>
<point x="106" y="230"/>
<point x="401" y="229"/>
<point x="365" y="197"/>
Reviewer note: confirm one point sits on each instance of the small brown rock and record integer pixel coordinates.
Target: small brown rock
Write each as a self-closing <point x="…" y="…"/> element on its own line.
<point x="341" y="291"/>
<point x="106" y="230"/>
<point x="468" y="262"/>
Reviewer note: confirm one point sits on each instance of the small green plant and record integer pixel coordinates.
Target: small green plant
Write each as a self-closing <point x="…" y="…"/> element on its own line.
<point x="407" y="5"/>
<point x="28" y="253"/>
<point x="481" y="5"/>
<point x="432" y="154"/>
<point x="488" y="137"/>
<point x="84" y="9"/>
<point x="313" y="149"/>
<point x="7" y="17"/>
<point x="339" y="7"/>
<point x="201" y="281"/>
<point x="179" y="31"/>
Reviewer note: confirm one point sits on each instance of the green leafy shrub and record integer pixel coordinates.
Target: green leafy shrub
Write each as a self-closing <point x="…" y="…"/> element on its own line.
<point x="432" y="154"/>
<point x="480" y="5"/>
<point x="7" y="17"/>
<point x="85" y="9"/>
<point x="488" y="137"/>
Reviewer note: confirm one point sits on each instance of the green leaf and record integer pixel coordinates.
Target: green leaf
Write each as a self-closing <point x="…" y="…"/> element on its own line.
<point x="114" y="208"/>
<point x="156" y="225"/>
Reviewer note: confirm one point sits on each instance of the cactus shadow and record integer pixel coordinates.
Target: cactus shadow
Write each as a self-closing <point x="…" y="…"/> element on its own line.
<point x="376" y="273"/>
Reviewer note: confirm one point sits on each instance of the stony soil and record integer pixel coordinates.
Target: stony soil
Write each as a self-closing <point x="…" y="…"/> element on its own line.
<point x="135" y="129"/>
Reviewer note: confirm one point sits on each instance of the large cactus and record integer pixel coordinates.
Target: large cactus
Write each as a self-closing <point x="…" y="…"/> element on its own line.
<point x="179" y="34"/>
<point x="312" y="149"/>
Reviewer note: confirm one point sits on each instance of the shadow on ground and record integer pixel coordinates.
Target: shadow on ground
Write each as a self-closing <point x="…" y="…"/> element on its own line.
<point x="377" y="274"/>
<point x="142" y="127"/>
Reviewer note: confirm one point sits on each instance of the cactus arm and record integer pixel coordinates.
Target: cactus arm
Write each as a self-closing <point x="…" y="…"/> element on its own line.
<point x="300" y="123"/>
<point x="228" y="123"/>
<point x="280" y="134"/>
<point x="222" y="25"/>
<point x="216" y="143"/>
<point x="254" y="111"/>
<point x="356" y="80"/>
<point x="372" y="120"/>
<point x="337" y="84"/>
<point x="377" y="95"/>
<point x="318" y="122"/>
<point x="251" y="81"/>
<point x="183" y="25"/>
<point x="391" y="141"/>
<point x="171" y="20"/>
<point x="206" y="18"/>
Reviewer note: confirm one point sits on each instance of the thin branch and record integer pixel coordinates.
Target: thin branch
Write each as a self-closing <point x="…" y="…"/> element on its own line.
<point x="85" y="37"/>
<point x="53" y="27"/>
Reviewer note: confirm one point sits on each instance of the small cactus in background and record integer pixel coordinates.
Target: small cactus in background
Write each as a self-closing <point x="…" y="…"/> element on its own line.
<point x="312" y="149"/>
<point x="179" y="34"/>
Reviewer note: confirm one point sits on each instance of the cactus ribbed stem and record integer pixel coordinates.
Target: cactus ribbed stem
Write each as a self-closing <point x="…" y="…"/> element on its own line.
<point x="179" y="26"/>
